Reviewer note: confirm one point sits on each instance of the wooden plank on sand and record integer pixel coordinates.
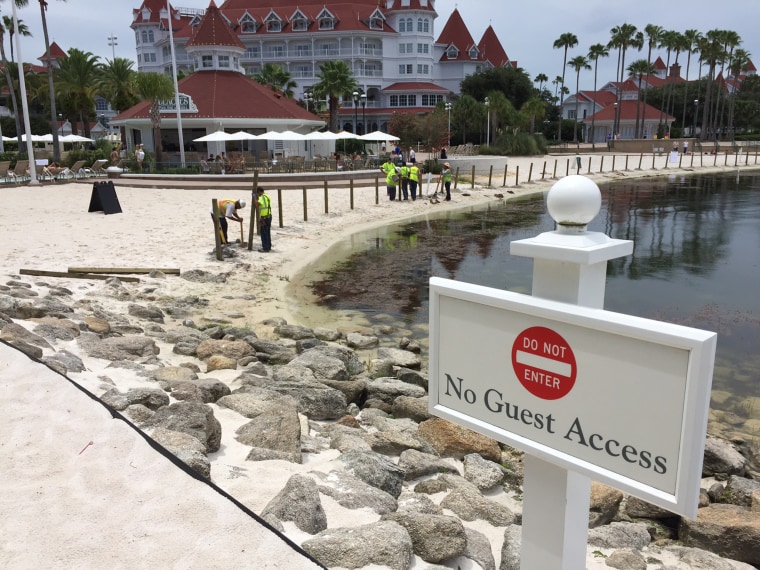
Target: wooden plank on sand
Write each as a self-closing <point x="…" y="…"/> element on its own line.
<point x="119" y="270"/>
<point x="42" y="273"/>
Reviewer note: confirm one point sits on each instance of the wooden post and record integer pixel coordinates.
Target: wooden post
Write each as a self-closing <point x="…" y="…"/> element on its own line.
<point x="680" y="160"/>
<point x="715" y="160"/>
<point x="456" y="178"/>
<point x="217" y="228"/>
<point x="725" y="160"/>
<point x="543" y="172"/>
<point x="351" y="183"/>
<point x="601" y="164"/>
<point x="641" y="158"/>
<point x="589" y="166"/>
<point x="692" y="159"/>
<point x="472" y="184"/>
<point x="613" y="163"/>
<point x="490" y="175"/>
<point x="567" y="172"/>
<point x="504" y="183"/>
<point x="530" y="171"/>
<point x="253" y="224"/>
<point x="327" y="208"/>
<point x="554" y="173"/>
<point x="377" y="190"/>
<point x="305" y="209"/>
<point x="279" y="205"/>
<point x="517" y="176"/>
<point x="653" y="157"/>
<point x="626" y="164"/>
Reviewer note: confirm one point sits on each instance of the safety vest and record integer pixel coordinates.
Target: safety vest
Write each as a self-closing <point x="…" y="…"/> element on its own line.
<point x="223" y="206"/>
<point x="390" y="174"/>
<point x="414" y="173"/>
<point x="405" y="171"/>
<point x="446" y="175"/>
<point x="265" y="206"/>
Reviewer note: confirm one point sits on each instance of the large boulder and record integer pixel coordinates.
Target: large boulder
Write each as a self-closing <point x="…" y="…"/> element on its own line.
<point x="299" y="502"/>
<point x="450" y="439"/>
<point x="435" y="538"/>
<point x="728" y="530"/>
<point x="191" y="418"/>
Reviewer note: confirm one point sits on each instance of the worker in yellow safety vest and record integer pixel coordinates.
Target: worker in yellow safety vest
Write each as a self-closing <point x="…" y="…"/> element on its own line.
<point x="414" y="179"/>
<point x="391" y="177"/>
<point x="265" y="220"/>
<point x="228" y="209"/>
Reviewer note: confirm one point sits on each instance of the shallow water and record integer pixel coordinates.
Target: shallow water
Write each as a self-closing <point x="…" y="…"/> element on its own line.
<point x="696" y="261"/>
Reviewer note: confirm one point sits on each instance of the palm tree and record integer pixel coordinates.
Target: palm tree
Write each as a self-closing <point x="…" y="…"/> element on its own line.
<point x="654" y="37"/>
<point x="277" y="79"/>
<point x="541" y="78"/>
<point x="578" y="63"/>
<point x="739" y="62"/>
<point x="155" y="87"/>
<point x="623" y="37"/>
<point x="11" y="88"/>
<point x="77" y="80"/>
<point x="23" y="29"/>
<point x="731" y="40"/>
<point x="117" y="83"/>
<point x="711" y="53"/>
<point x="638" y="69"/>
<point x="466" y="111"/>
<point x="692" y="38"/>
<point x="594" y="53"/>
<point x="535" y="108"/>
<point x="557" y="81"/>
<point x="335" y="80"/>
<point x="565" y="42"/>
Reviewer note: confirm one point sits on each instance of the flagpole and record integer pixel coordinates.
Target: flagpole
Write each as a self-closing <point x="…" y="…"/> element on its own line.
<point x="176" y="89"/>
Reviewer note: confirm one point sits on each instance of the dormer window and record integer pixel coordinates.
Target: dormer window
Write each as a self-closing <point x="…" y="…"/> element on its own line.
<point x="452" y="52"/>
<point x="473" y="53"/>
<point x="326" y="20"/>
<point x="423" y="25"/>
<point x="376" y="23"/>
<point x="298" y="22"/>
<point x="273" y="23"/>
<point x="195" y="21"/>
<point x="248" y="25"/>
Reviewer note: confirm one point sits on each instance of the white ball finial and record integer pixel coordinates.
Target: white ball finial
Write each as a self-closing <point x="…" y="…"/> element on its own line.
<point x="573" y="202"/>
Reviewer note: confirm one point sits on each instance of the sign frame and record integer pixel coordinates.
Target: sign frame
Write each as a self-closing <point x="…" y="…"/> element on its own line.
<point x="699" y="344"/>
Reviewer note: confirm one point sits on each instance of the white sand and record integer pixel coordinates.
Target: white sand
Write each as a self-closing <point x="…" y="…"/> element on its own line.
<point x="118" y="503"/>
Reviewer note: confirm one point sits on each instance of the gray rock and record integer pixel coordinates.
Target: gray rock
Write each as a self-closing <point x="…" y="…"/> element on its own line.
<point x="192" y="418"/>
<point x="355" y="390"/>
<point x="26" y="348"/>
<point x="604" y="503"/>
<point x="150" y="398"/>
<point x="54" y="333"/>
<point x="482" y="473"/>
<point x="148" y="313"/>
<point x="721" y="457"/>
<point x="70" y="362"/>
<point x="698" y="559"/>
<point x="117" y="348"/>
<point x="12" y="333"/>
<point x="375" y="469"/>
<point x="186" y="448"/>
<point x="139" y="414"/>
<point x="277" y="428"/>
<point x="174" y="374"/>
<point x="383" y="543"/>
<point x="360" y="341"/>
<point x="388" y="389"/>
<point x="479" y="549"/>
<point x="206" y="390"/>
<point x="272" y="352"/>
<point x="293" y="331"/>
<point x="200" y="276"/>
<point x="435" y="538"/>
<point x="329" y="335"/>
<point x="315" y="400"/>
<point x="626" y="559"/>
<point x="510" y="548"/>
<point x="351" y="360"/>
<point x="413" y="408"/>
<point x="730" y="531"/>
<point x="299" y="502"/>
<point x="639" y="509"/>
<point x="254" y="401"/>
<point x="417" y="503"/>
<point x="620" y="535"/>
<point x="412" y="377"/>
<point x="418" y="464"/>
<point x="400" y="357"/>
<point x="450" y="439"/>
<point x="234" y="349"/>
<point x="322" y="365"/>
<point x="379" y="368"/>
<point x="468" y="504"/>
<point x="740" y="490"/>
<point x="353" y="493"/>
<point x="305" y="344"/>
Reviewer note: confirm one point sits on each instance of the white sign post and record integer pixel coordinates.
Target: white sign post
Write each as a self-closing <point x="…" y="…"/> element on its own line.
<point x="585" y="392"/>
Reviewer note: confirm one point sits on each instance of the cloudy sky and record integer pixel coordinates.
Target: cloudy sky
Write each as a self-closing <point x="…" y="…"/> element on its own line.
<point x="526" y="28"/>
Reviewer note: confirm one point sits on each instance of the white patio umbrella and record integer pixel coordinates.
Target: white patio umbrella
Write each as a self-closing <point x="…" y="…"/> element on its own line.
<point x="378" y="136"/>
<point x="72" y="138"/>
<point x="242" y="136"/>
<point x="38" y="138"/>
<point x="283" y="136"/>
<point x="344" y="135"/>
<point x="218" y="136"/>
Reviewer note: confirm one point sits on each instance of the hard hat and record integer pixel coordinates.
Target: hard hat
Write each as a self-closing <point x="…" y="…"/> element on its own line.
<point x="447" y="165"/>
<point x="242" y="203"/>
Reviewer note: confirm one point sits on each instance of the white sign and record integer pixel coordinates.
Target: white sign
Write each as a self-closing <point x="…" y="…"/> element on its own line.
<point x="186" y="105"/>
<point x="621" y="399"/>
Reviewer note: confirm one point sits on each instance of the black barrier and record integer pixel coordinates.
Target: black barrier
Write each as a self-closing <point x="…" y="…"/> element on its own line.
<point x="104" y="198"/>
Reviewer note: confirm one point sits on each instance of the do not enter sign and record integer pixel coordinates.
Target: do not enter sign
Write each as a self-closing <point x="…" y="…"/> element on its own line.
<point x="544" y="363"/>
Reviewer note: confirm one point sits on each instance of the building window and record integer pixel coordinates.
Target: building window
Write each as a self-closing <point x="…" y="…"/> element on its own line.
<point x="303" y="50"/>
<point x="423" y="69"/>
<point x="299" y="24"/>
<point x="326" y="23"/>
<point x="571" y="114"/>
<point x="376" y="23"/>
<point x="207" y="61"/>
<point x="405" y="69"/>
<point x="301" y="71"/>
<point x="405" y="48"/>
<point x="253" y="52"/>
<point x="145" y="36"/>
<point x="403" y="100"/>
<point x="423" y="25"/>
<point x="409" y="25"/>
<point x="224" y="61"/>
<point x="431" y="100"/>
<point x="247" y="24"/>
<point x="276" y="51"/>
<point x="274" y="25"/>
<point x="473" y="52"/>
<point x="423" y="48"/>
<point x="452" y="52"/>
<point x="328" y="49"/>
<point x="402" y="25"/>
<point x="137" y="38"/>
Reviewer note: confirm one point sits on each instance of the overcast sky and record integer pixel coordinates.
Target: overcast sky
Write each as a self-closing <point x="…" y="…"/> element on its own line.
<point x="527" y="28"/>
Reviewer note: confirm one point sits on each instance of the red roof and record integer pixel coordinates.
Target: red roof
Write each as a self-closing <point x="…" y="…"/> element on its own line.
<point x="750" y="66"/>
<point x="628" y="112"/>
<point x="154" y="7"/>
<point x="214" y="31"/>
<point x="55" y="53"/>
<point x="659" y="64"/>
<point x="229" y="94"/>
<point x="603" y="98"/>
<point x="455" y="33"/>
<point x="415" y="86"/>
<point x="655" y="81"/>
<point x="491" y="49"/>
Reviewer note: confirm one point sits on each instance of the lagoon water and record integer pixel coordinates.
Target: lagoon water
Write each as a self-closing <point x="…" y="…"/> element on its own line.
<point x="696" y="262"/>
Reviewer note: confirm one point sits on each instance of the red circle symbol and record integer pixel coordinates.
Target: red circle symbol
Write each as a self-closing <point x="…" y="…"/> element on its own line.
<point x="544" y="363"/>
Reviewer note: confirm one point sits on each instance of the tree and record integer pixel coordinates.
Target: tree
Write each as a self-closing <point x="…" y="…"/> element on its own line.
<point x="466" y="113"/>
<point x="692" y="38"/>
<point x="669" y="41"/>
<point x="565" y="41"/>
<point x="594" y="53"/>
<point x="534" y="109"/>
<point x="155" y="87"/>
<point x="77" y="81"/>
<point x="512" y="82"/>
<point x="541" y="78"/>
<point x="623" y="37"/>
<point x="578" y="63"/>
<point x="51" y="84"/>
<point x="731" y="40"/>
<point x="335" y="80"/>
<point x="117" y="83"/>
<point x="739" y="63"/>
<point x="277" y="79"/>
<point x="654" y="37"/>
<point x="23" y="29"/>
<point x="711" y="52"/>
<point x="638" y="69"/>
<point x="9" y="83"/>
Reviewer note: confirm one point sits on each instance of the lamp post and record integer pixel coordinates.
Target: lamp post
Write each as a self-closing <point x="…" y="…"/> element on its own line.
<point x="614" y="123"/>
<point x="308" y="97"/>
<point x="696" y="110"/>
<point x="448" y="110"/>
<point x="488" y="121"/>
<point x="356" y="109"/>
<point x="112" y="43"/>
<point x="364" y="113"/>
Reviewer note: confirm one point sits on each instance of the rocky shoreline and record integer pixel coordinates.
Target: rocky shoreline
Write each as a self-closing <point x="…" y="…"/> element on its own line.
<point x="327" y="436"/>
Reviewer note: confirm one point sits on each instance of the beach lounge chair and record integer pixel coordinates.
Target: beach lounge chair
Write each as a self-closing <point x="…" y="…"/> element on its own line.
<point x="19" y="173"/>
<point x="4" y="174"/>
<point x="97" y="168"/>
<point x="77" y="169"/>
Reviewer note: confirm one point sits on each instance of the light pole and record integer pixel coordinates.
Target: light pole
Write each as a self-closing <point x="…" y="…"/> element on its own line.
<point x="112" y="44"/>
<point x="614" y="123"/>
<point x="488" y="121"/>
<point x="448" y="110"/>
<point x="308" y="97"/>
<point x="356" y="109"/>
<point x="696" y="110"/>
<point x="364" y="113"/>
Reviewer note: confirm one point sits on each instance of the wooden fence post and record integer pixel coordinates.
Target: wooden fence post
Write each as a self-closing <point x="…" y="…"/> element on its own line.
<point x="589" y="166"/>
<point x="641" y="158"/>
<point x="327" y="203"/>
<point x="601" y="164"/>
<point x="490" y="175"/>
<point x="352" y="193"/>
<point x="305" y="209"/>
<point x="279" y="205"/>
<point x="504" y="184"/>
<point x="567" y="171"/>
<point x="554" y="173"/>
<point x="517" y="176"/>
<point x="530" y="171"/>
<point x="473" y="177"/>
<point x="626" y="163"/>
<point x="543" y="172"/>
<point x="456" y="178"/>
<point x="217" y="228"/>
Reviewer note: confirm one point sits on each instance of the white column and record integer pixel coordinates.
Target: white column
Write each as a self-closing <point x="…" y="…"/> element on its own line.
<point x="570" y="266"/>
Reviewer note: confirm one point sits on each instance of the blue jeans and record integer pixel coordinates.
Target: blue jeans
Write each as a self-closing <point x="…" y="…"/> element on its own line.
<point x="266" y="233"/>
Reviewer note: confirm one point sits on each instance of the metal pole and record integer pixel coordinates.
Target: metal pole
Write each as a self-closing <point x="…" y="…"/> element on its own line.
<point x="22" y="84"/>
<point x="279" y="205"/>
<point x="305" y="210"/>
<point x="176" y="88"/>
<point x="490" y="175"/>
<point x="327" y="209"/>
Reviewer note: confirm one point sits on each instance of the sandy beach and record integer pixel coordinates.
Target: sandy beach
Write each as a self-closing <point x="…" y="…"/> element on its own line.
<point x="86" y="491"/>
